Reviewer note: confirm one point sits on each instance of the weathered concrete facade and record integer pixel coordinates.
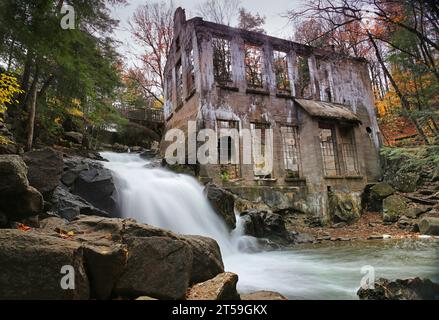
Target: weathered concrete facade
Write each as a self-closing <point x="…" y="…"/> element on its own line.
<point x="318" y="104"/>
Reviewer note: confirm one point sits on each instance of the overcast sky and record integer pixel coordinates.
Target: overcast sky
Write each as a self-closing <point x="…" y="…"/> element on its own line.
<point x="276" y="25"/>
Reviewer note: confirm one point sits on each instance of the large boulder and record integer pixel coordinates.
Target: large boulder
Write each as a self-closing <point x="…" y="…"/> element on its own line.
<point x="45" y="169"/>
<point x="207" y="260"/>
<point x="149" y="251"/>
<point x="13" y="173"/>
<point x="31" y="265"/>
<point x="393" y="207"/>
<point x="408" y="289"/>
<point x="69" y="206"/>
<point x="404" y="181"/>
<point x="262" y="224"/>
<point x="223" y="202"/>
<point x="18" y="200"/>
<point x="156" y="266"/>
<point x="375" y="194"/>
<point x="344" y="207"/>
<point x="120" y="256"/>
<point x="222" y="287"/>
<point x="429" y="226"/>
<point x="96" y="185"/>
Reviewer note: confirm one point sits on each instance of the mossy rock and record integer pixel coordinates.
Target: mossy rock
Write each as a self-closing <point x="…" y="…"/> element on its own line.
<point x="382" y="190"/>
<point x="393" y="207"/>
<point x="344" y="207"/>
<point x="404" y="181"/>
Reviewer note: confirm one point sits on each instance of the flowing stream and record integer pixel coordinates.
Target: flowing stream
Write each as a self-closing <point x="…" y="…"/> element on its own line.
<point x="330" y="271"/>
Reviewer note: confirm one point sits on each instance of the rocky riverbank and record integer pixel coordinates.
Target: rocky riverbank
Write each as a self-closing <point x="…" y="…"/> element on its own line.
<point x="59" y="239"/>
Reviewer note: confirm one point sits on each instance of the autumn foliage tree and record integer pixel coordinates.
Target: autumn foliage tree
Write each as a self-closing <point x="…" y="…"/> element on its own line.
<point x="399" y="38"/>
<point x="152" y="29"/>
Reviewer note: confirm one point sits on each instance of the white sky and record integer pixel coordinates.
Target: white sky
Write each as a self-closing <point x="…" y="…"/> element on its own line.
<point x="276" y="25"/>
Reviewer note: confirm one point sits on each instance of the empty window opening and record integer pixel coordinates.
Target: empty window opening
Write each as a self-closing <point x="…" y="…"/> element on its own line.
<point x="328" y="95"/>
<point x="228" y="149"/>
<point x="262" y="157"/>
<point x="253" y="66"/>
<point x="169" y="86"/>
<point x="290" y="141"/>
<point x="281" y="70"/>
<point x="190" y="72"/>
<point x="303" y="81"/>
<point x="222" y="60"/>
<point x="328" y="147"/>
<point x="349" y="151"/>
<point x="179" y="83"/>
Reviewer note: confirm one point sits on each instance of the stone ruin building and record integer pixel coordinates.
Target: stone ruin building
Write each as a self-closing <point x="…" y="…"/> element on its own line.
<point x="319" y="105"/>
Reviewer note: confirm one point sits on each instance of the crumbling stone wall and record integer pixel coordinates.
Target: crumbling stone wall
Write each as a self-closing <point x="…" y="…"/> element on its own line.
<point x="333" y="78"/>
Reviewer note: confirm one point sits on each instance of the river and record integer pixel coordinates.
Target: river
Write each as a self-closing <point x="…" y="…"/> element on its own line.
<point x="325" y="271"/>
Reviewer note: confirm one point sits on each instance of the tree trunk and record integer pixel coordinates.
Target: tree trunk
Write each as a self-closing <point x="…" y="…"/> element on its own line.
<point x="404" y="102"/>
<point x="32" y="108"/>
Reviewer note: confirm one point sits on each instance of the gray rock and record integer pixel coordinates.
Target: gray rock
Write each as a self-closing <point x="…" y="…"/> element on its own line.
<point x="222" y="287"/>
<point x="31" y="266"/>
<point x="97" y="187"/>
<point x="223" y="202"/>
<point x="13" y="173"/>
<point x="415" y="212"/>
<point x="159" y="267"/>
<point x="382" y="190"/>
<point x="261" y="224"/>
<point x="429" y="226"/>
<point x="69" y="206"/>
<point x="408" y="289"/>
<point x="344" y="207"/>
<point x="105" y="265"/>
<point x="45" y="169"/>
<point x="207" y="260"/>
<point x="393" y="207"/>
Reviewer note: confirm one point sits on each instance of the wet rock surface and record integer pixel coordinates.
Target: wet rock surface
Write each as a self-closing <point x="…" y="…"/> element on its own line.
<point x="45" y="169"/>
<point x="223" y="202"/>
<point x="114" y="257"/>
<point x="18" y="200"/>
<point x="222" y="287"/>
<point x="408" y="289"/>
<point x="262" y="224"/>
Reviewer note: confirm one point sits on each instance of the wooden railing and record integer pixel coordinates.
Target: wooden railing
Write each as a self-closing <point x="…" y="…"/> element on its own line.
<point x="147" y="115"/>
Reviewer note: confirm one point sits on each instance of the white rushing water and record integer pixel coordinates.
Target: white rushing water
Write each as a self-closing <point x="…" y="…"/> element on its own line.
<point x="176" y="202"/>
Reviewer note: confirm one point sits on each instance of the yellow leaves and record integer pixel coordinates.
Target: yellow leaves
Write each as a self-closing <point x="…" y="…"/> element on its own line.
<point x="4" y="140"/>
<point x="9" y="87"/>
<point x="57" y="120"/>
<point x="65" y="234"/>
<point x="75" y="112"/>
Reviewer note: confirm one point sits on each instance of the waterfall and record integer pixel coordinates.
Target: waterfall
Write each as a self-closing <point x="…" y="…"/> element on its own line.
<point x="167" y="200"/>
<point x="176" y="202"/>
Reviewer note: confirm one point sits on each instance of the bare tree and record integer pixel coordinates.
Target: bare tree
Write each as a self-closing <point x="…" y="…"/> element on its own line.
<point x="373" y="21"/>
<point x="251" y="22"/>
<point x="152" y="29"/>
<point x="219" y="11"/>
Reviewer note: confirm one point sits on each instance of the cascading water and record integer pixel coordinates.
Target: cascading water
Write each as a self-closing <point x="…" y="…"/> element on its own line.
<point x="176" y="202"/>
<point x="167" y="200"/>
